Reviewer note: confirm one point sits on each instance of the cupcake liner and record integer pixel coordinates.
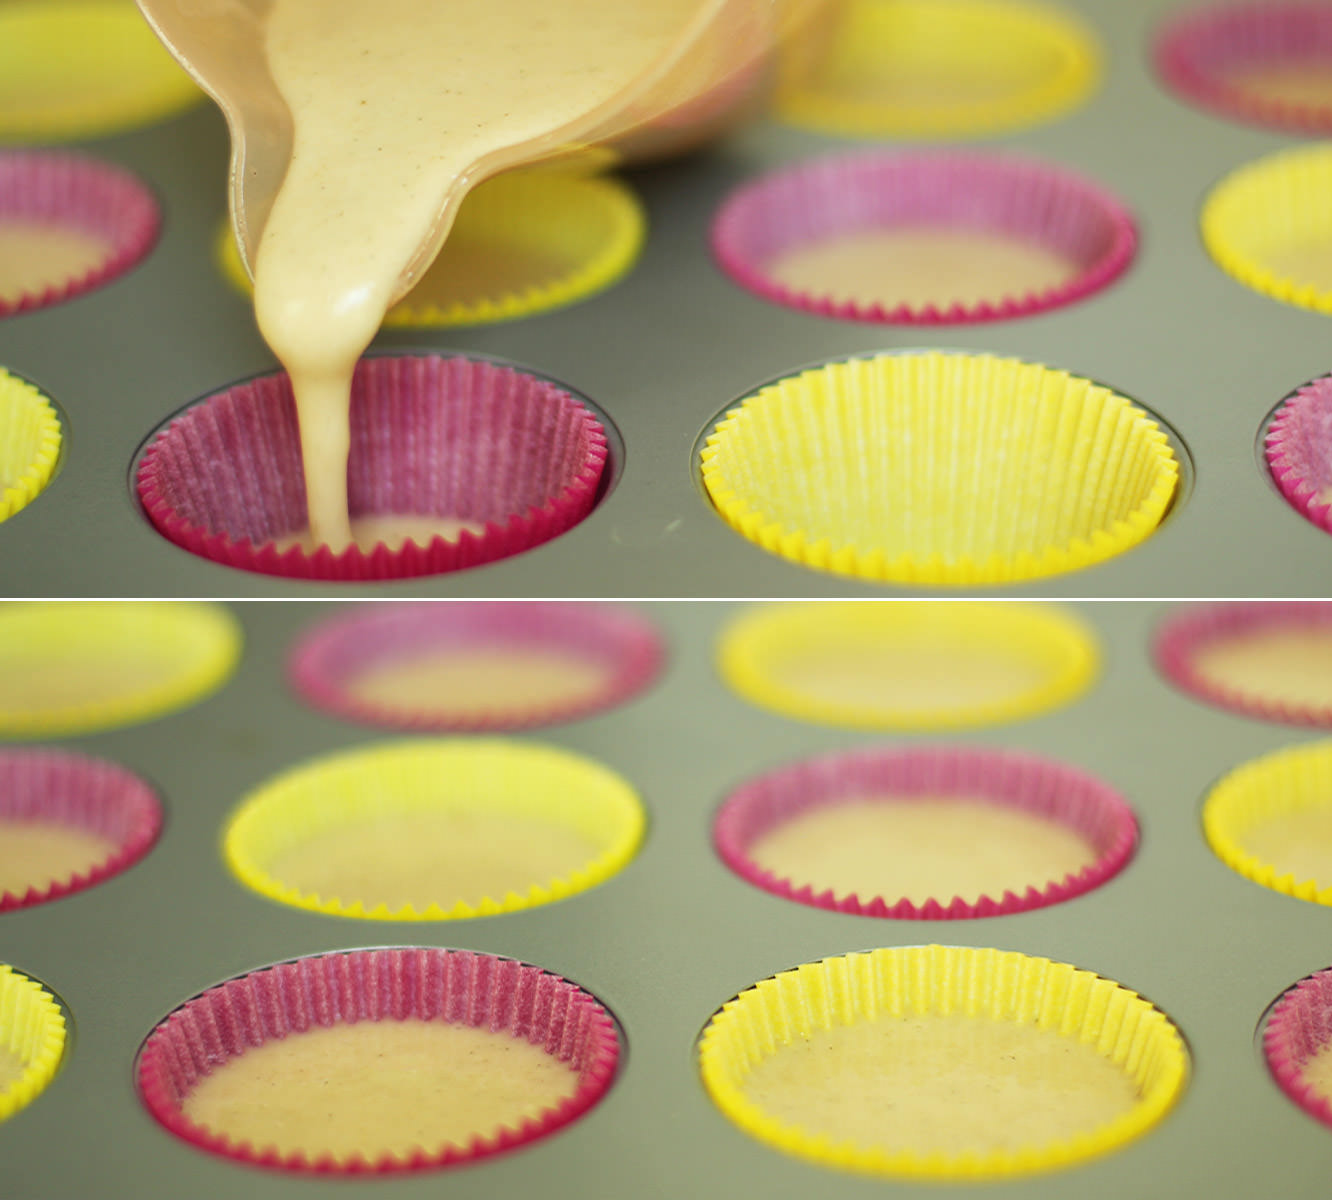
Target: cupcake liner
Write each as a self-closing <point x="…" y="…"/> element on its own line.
<point x="1024" y="202"/>
<point x="75" y="667"/>
<point x="1281" y="787"/>
<point x="430" y="435"/>
<point x="86" y="794"/>
<point x="936" y="69"/>
<point x="1183" y="642"/>
<point x="1298" y="449"/>
<point x="1266" y="222"/>
<point x="1040" y="788"/>
<point x="1299" y="1028"/>
<point x="75" y="69"/>
<point x="991" y="987"/>
<point x="542" y="789"/>
<point x="74" y="193"/>
<point x="426" y="984"/>
<point x="524" y="243"/>
<point x="330" y="661"/>
<point x="1229" y="59"/>
<point x="940" y="468"/>
<point x="30" y="442"/>
<point x="32" y="1029"/>
<point x="893" y="665"/>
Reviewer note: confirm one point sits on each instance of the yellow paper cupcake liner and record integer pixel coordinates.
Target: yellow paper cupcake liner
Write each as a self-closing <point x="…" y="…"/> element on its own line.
<point x="32" y="1029"/>
<point x="524" y="243"/>
<point x="988" y="985"/>
<point x="73" y="667"/>
<point x="73" y="69"/>
<point x="1286" y="783"/>
<point x="936" y="68"/>
<point x="1275" y="206"/>
<point x="1057" y="653"/>
<point x="940" y="468"/>
<point x="490" y="776"/>
<point x="30" y="441"/>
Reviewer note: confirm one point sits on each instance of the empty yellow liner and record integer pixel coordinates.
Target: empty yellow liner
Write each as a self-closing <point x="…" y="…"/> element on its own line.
<point x="936" y="68"/>
<point x="908" y="665"/>
<point x="523" y="243"/>
<point x="70" y="667"/>
<point x="940" y="468"/>
<point x="942" y="1063"/>
<point x="1269" y="225"/>
<point x="29" y="443"/>
<point x="32" y="1040"/>
<point x="1270" y="820"/>
<point x="435" y="830"/>
<point x="73" y="69"/>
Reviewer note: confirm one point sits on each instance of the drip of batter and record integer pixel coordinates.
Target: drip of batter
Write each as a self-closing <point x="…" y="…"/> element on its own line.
<point x="394" y="104"/>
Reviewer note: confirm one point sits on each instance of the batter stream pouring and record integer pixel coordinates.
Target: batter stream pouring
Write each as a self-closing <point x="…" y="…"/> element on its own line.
<point x="358" y="126"/>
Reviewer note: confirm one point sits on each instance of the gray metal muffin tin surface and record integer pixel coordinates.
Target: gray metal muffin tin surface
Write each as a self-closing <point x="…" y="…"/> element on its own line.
<point x="671" y="938"/>
<point x="672" y="345"/>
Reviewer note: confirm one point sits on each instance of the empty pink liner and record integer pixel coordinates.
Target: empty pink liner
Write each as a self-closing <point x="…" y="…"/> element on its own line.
<point x="430" y="435"/>
<point x="87" y="794"/>
<point x="878" y="191"/>
<point x="1298" y="448"/>
<point x="83" y="195"/>
<point x="1202" y="55"/>
<point x="1180" y="641"/>
<point x="1299" y="1027"/>
<point x="422" y="983"/>
<point x="1040" y="787"/>
<point x="334" y="653"/>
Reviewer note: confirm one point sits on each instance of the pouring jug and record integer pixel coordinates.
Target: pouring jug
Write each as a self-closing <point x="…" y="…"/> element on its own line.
<point x="712" y="76"/>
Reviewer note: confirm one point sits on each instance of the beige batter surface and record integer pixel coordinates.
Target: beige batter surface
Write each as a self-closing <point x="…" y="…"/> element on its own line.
<point x="379" y="1087"/>
<point x="907" y="678"/>
<point x="393" y="529"/>
<point x="1295" y="83"/>
<point x="944" y="1084"/>
<point x="1293" y="666"/>
<point x="1299" y="843"/>
<point x="393" y="102"/>
<point x="458" y="680"/>
<point x="1303" y="262"/>
<point x="929" y="847"/>
<point x="34" y="685"/>
<point x="11" y="1069"/>
<point x="1317" y="1073"/>
<point x="37" y="255"/>
<point x="921" y="265"/>
<point x="38" y="854"/>
<point x="440" y="858"/>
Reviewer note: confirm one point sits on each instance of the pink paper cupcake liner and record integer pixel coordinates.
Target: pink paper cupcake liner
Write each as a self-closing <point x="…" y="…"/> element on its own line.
<point x="423" y="983"/>
<point x="89" y="794"/>
<point x="336" y="651"/>
<point x="1298" y="448"/>
<point x="1299" y="1027"/>
<point x="452" y="436"/>
<point x="879" y="190"/>
<point x="1179" y="641"/>
<point x="1196" y="52"/>
<point x="1038" y="786"/>
<point x="81" y="194"/>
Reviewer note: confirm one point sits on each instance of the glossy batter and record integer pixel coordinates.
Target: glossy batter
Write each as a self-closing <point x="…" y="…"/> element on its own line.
<point x="38" y="854"/>
<point x="941" y="1083"/>
<point x="1292" y="666"/>
<point x="37" y="255"/>
<point x="920" y="266"/>
<point x="393" y="102"/>
<point x="378" y="1088"/>
<point x="921" y="849"/>
<point x="1298" y="843"/>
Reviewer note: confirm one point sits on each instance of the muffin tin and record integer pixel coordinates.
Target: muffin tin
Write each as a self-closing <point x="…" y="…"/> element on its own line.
<point x="668" y="940"/>
<point x="662" y="354"/>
